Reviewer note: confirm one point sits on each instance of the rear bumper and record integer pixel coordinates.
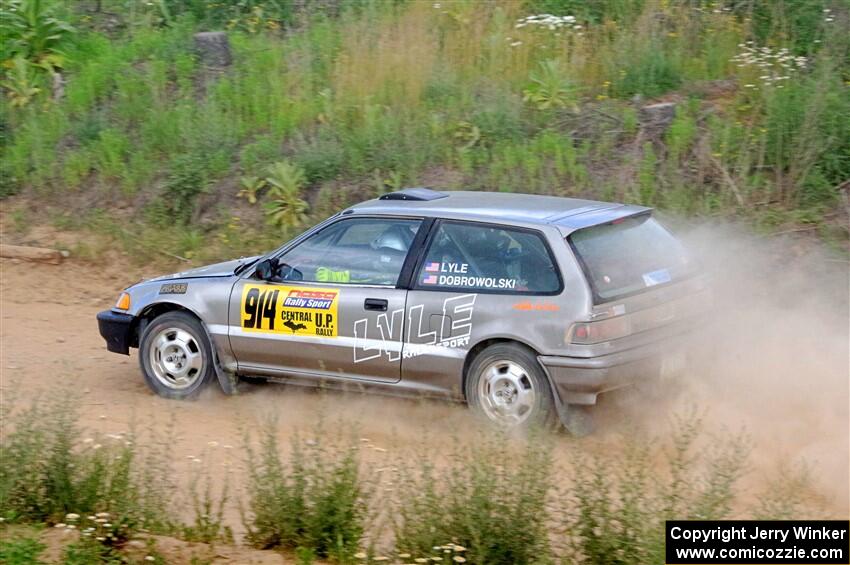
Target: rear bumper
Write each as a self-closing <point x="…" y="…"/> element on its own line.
<point x="118" y="331"/>
<point x="581" y="380"/>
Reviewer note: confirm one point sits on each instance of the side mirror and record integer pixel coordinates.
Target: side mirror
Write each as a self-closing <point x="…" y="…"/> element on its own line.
<point x="266" y="269"/>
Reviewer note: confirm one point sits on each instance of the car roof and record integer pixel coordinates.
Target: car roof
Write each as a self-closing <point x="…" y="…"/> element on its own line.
<point x="490" y="206"/>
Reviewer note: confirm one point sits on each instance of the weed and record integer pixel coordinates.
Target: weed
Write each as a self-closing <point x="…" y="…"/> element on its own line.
<point x="617" y="510"/>
<point x="476" y="503"/>
<point x="21" y="551"/>
<point x="285" y="208"/>
<point x="188" y="178"/>
<point x="313" y="501"/>
<point x="34" y="37"/>
<point x="646" y="175"/>
<point x="549" y="88"/>
<point x="207" y="506"/>
<point x="250" y="187"/>
<point x="59" y="474"/>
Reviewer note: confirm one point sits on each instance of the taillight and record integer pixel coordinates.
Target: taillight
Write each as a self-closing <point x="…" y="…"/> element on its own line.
<point x="603" y="330"/>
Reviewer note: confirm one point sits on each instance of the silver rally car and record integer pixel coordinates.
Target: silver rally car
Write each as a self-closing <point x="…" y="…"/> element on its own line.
<point x="526" y="307"/>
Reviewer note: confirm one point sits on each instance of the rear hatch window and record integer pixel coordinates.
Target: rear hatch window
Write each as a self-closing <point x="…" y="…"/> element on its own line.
<point x="629" y="256"/>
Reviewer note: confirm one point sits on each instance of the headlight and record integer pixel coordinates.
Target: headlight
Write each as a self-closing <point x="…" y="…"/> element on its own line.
<point x="123" y="302"/>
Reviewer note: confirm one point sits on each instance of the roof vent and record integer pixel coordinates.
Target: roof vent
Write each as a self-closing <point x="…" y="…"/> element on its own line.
<point x="418" y="194"/>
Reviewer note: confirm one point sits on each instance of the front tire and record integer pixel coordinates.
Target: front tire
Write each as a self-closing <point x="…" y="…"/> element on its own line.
<point x="506" y="385"/>
<point x="176" y="356"/>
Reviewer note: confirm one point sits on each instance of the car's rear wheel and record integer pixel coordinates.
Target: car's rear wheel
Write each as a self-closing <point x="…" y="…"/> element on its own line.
<point x="506" y="385"/>
<point x="175" y="355"/>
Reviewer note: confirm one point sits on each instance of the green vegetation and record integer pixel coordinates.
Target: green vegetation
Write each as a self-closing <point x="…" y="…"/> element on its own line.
<point x="490" y="502"/>
<point x="313" y="503"/>
<point x="21" y="551"/>
<point x="108" y="100"/>
<point x="490" y="499"/>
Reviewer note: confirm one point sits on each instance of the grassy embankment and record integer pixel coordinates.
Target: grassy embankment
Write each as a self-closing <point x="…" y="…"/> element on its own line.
<point x="336" y="104"/>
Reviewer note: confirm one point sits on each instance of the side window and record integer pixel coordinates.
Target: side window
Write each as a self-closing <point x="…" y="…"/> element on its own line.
<point x="466" y="257"/>
<point x="353" y="251"/>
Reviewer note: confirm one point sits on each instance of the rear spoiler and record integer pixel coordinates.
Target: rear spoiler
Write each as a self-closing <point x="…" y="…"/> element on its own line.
<point x="593" y="216"/>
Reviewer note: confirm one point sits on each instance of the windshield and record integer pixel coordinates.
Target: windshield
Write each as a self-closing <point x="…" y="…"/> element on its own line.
<point x="628" y="256"/>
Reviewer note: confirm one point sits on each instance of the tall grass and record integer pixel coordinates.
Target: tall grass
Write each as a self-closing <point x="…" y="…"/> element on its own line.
<point x="488" y="499"/>
<point x="58" y="472"/>
<point x="313" y="501"/>
<point x="389" y="94"/>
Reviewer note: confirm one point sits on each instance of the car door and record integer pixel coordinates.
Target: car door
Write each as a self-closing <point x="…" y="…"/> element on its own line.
<point x="472" y="282"/>
<point x="334" y="310"/>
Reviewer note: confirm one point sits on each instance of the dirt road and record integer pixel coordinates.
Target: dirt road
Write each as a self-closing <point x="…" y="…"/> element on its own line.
<point x="780" y="373"/>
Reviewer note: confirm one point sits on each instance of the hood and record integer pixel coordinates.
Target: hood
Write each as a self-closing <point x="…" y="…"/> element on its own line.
<point x="224" y="269"/>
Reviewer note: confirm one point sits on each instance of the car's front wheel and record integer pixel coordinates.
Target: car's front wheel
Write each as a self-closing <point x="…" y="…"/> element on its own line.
<point x="506" y="385"/>
<point x="175" y="355"/>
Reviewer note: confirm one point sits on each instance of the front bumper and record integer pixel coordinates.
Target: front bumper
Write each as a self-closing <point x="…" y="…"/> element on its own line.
<point x="581" y="380"/>
<point x="118" y="330"/>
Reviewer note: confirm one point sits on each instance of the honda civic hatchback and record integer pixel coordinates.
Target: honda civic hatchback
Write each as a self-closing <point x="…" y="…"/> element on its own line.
<point x="525" y="307"/>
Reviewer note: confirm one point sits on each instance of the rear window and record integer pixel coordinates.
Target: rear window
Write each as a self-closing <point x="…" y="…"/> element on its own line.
<point x="629" y="256"/>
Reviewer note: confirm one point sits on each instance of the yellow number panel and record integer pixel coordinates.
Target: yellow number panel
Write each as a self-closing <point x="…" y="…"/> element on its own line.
<point x="290" y="310"/>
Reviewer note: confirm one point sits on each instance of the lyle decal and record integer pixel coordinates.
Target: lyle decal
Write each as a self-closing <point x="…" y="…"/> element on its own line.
<point x="290" y="310"/>
<point x="369" y="344"/>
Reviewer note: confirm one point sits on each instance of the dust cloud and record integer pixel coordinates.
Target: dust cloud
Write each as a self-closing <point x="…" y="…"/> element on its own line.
<point x="772" y="360"/>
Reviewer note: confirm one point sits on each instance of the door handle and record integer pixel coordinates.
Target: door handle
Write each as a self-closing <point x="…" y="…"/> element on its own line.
<point x="378" y="304"/>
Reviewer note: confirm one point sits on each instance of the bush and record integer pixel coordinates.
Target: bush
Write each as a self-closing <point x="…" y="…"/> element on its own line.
<point x="284" y="206"/>
<point x="490" y="501"/>
<point x="322" y="157"/>
<point x="21" y="551"/>
<point x="57" y="473"/>
<point x="187" y="179"/>
<point x="313" y="501"/>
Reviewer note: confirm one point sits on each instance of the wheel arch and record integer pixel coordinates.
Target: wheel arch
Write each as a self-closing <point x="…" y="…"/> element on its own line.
<point x="156" y="309"/>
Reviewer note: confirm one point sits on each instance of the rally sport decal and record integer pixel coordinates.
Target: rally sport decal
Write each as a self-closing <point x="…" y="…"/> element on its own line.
<point x="290" y="310"/>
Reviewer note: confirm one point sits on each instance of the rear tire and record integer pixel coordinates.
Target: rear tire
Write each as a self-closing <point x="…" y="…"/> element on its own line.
<point x="175" y="356"/>
<point x="506" y="385"/>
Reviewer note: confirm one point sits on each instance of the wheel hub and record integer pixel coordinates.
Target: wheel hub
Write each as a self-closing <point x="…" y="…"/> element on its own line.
<point x="176" y="358"/>
<point x="506" y="392"/>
